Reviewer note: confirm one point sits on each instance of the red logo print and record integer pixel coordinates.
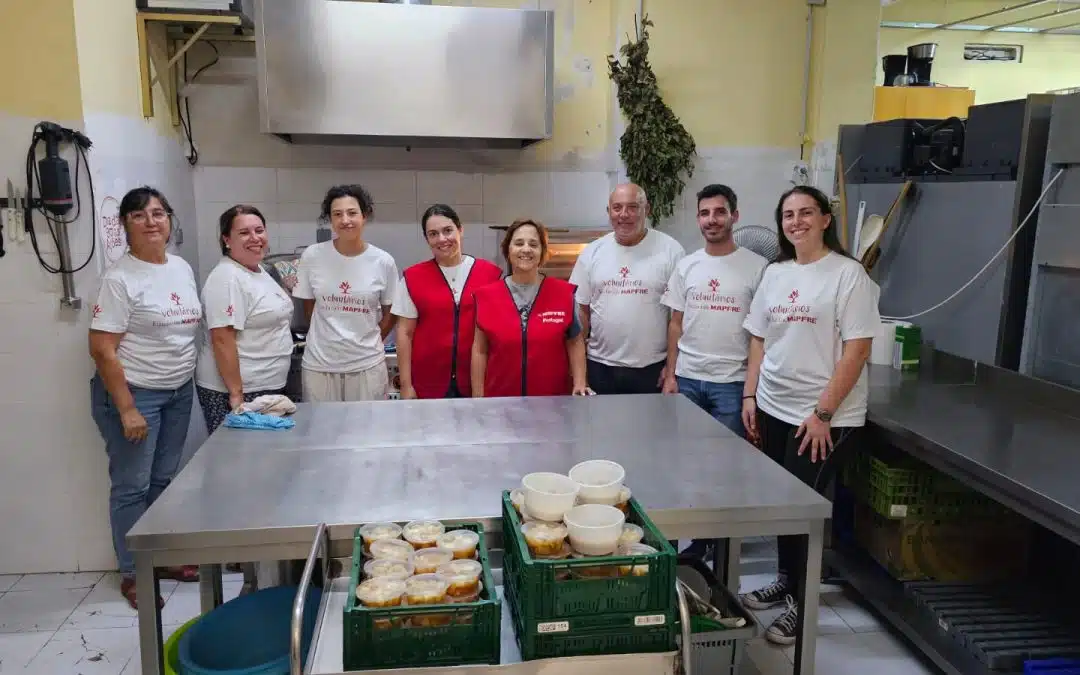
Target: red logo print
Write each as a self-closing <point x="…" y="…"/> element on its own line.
<point x="229" y="311"/>
<point x="345" y="286"/>
<point x="624" y="272"/>
<point x="96" y="311"/>
<point x="175" y="297"/>
<point x="713" y="285"/>
<point x="794" y="296"/>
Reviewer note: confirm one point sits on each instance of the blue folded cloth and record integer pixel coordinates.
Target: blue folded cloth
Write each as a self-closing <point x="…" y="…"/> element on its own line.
<point x="252" y="420"/>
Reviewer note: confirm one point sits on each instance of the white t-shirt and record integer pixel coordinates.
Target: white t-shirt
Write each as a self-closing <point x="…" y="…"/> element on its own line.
<point x="455" y="277"/>
<point x="157" y="309"/>
<point x="714" y="293"/>
<point x="622" y="286"/>
<point x="261" y="312"/>
<point x="805" y="313"/>
<point x="349" y="294"/>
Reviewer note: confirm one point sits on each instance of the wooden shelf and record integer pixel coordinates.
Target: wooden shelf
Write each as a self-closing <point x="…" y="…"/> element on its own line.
<point x="163" y="40"/>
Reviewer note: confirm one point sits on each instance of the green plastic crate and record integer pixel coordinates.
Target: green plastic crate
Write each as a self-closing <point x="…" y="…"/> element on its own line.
<point x="543" y="594"/>
<point x="381" y="638"/>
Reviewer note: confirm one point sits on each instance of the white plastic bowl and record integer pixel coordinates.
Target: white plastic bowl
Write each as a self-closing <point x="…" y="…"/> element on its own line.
<point x="548" y="495"/>
<point x="601" y="481"/>
<point x="594" y="529"/>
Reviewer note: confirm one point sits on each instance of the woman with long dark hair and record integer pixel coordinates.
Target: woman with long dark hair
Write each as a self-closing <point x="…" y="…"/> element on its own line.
<point x="142" y="339"/>
<point x="811" y="323"/>
<point x="436" y="311"/>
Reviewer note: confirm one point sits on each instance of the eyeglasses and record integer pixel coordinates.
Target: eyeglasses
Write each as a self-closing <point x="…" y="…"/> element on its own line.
<point x="142" y="217"/>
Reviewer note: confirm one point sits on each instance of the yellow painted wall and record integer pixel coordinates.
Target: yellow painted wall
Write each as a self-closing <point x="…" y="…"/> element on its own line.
<point x="1049" y="61"/>
<point x="40" y="76"/>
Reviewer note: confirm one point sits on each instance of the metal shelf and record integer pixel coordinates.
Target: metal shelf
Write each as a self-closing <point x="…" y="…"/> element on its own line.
<point x="886" y="597"/>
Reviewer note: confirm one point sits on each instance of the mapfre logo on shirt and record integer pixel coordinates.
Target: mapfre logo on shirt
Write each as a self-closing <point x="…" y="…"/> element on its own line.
<point x="713" y="300"/>
<point x="792" y="311"/>
<point x="553" y="316"/>
<point x="177" y="313"/>
<point x="624" y="284"/>
<point x="344" y="301"/>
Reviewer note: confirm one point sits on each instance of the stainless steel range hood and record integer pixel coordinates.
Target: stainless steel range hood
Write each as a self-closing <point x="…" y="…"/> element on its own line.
<point x="344" y="71"/>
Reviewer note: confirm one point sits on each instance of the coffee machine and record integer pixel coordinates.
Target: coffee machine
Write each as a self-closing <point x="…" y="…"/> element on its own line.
<point x="912" y="69"/>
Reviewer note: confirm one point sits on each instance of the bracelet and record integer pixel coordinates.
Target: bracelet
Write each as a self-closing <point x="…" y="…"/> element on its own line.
<point x="749" y="396"/>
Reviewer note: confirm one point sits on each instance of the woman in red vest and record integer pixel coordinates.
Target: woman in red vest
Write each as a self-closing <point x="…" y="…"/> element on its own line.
<point x="435" y="311"/>
<point x="528" y="339"/>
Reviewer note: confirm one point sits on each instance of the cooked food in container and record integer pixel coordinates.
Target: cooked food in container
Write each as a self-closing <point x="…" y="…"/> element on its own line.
<point x="635" y="570"/>
<point x="427" y="560"/>
<point x="388" y="568"/>
<point x="463" y="577"/>
<point x="462" y="542"/>
<point x="381" y="592"/>
<point x="392" y="549"/>
<point x="373" y="532"/>
<point x="631" y="534"/>
<point x="423" y="533"/>
<point x="544" y="539"/>
<point x="426" y="589"/>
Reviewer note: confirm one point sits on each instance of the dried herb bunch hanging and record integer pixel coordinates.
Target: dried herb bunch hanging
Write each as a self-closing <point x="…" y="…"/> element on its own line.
<point x="655" y="147"/>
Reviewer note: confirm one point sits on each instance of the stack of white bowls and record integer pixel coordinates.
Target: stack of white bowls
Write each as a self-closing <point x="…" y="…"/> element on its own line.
<point x="584" y="501"/>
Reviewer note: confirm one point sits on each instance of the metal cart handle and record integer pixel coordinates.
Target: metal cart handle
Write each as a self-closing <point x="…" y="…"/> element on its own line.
<point x="684" y="621"/>
<point x="296" y="632"/>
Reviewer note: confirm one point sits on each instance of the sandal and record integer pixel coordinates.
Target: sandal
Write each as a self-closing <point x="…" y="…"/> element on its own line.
<point x="183" y="574"/>
<point x="127" y="589"/>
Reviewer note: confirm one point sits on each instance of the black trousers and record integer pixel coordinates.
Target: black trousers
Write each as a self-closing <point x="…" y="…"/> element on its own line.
<point x="605" y="379"/>
<point x="779" y="443"/>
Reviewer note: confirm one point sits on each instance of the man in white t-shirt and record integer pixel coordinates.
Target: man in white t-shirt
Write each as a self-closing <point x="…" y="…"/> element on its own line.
<point x="620" y="278"/>
<point x="709" y="294"/>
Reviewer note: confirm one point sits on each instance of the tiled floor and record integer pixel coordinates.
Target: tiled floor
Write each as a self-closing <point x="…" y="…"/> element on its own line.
<point x="77" y="624"/>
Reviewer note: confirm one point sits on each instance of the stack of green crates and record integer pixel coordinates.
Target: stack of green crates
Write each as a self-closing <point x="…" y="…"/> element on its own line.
<point x="385" y="638"/>
<point x="559" y="610"/>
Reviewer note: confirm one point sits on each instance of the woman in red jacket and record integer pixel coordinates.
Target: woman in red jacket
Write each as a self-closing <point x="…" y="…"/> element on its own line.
<point x="435" y="311"/>
<point x="528" y="339"/>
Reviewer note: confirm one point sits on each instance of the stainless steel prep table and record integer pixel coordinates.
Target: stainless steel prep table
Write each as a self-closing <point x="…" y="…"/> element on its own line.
<point x="252" y="495"/>
<point x="1006" y="435"/>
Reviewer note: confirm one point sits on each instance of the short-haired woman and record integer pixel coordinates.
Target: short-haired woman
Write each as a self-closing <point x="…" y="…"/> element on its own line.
<point x="347" y="286"/>
<point x="248" y="316"/>
<point x="528" y="338"/>
<point x="811" y="323"/>
<point x="436" y="311"/>
<point x="142" y="339"/>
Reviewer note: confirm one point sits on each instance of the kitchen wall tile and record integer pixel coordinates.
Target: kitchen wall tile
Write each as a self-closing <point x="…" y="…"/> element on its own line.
<point x="510" y="196"/>
<point x="580" y="198"/>
<point x="306" y="185"/>
<point x="387" y="187"/>
<point x="401" y="214"/>
<point x="235" y="185"/>
<point x="455" y="189"/>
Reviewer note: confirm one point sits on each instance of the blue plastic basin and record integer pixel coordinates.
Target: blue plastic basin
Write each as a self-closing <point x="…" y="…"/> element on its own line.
<point x="248" y="635"/>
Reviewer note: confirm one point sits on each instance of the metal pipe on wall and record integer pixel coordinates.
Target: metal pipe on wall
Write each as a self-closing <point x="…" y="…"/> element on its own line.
<point x="1048" y="15"/>
<point x="806" y="82"/>
<point x="996" y="12"/>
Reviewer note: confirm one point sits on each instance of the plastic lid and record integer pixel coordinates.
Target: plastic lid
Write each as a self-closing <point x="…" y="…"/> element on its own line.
<point x="430" y="558"/>
<point x="637" y="549"/>
<point x="385" y="567"/>
<point x="423" y="531"/>
<point x="461" y="571"/>
<point x="543" y="532"/>
<point x="380" y="591"/>
<point x="458" y="540"/>
<point x="393" y="549"/>
<point x="631" y="534"/>
<point x="375" y="531"/>
<point x="426" y="587"/>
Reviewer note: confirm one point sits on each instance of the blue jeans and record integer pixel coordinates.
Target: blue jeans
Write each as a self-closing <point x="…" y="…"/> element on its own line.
<point x="722" y="400"/>
<point x="140" y="472"/>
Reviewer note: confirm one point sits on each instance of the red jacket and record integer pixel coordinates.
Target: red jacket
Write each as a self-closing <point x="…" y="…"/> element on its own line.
<point x="442" y="341"/>
<point x="531" y="361"/>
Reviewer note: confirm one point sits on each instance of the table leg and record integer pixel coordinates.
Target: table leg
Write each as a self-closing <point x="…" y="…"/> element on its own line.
<point x="210" y="593"/>
<point x="731" y="568"/>
<point x="147" y="590"/>
<point x="806" y="635"/>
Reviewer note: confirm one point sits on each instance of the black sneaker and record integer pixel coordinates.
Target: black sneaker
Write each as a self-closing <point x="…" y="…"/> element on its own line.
<point x="772" y="595"/>
<point x="782" y="631"/>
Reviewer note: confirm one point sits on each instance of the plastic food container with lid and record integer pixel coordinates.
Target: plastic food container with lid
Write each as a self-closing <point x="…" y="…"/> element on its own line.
<point x="427" y="560"/>
<point x="462" y="542"/>
<point x="381" y="592"/>
<point x="635" y="570"/>
<point x="426" y="589"/>
<point x="423" y="533"/>
<point x="373" y="532"/>
<point x="549" y="495"/>
<point x="631" y="534"/>
<point x="388" y="568"/>
<point x="463" y="577"/>
<point x="544" y="539"/>
<point x="392" y="549"/>
<point x="601" y="481"/>
<point x="594" y="529"/>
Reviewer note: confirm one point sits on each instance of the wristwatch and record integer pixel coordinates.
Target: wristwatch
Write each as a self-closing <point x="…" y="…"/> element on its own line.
<point x="823" y="415"/>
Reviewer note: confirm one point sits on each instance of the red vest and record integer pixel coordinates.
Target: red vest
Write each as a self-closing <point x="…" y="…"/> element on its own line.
<point x="442" y="341"/>
<point x="531" y="361"/>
